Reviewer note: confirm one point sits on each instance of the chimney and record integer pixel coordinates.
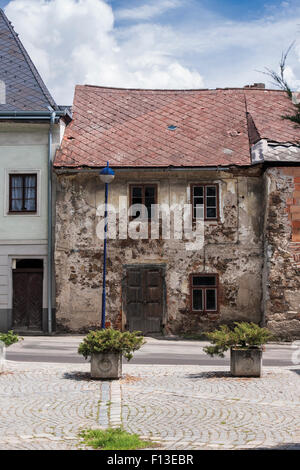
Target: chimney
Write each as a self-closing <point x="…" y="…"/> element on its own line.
<point x="260" y="86"/>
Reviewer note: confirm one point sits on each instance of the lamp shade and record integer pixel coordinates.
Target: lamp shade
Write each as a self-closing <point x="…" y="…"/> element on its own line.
<point x="107" y="174"/>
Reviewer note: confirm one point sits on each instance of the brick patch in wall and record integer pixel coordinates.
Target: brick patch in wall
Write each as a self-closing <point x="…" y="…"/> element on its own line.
<point x="295" y="251"/>
<point x="293" y="204"/>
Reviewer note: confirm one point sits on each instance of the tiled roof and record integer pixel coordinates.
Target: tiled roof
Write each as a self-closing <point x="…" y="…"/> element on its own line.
<point x="266" y="108"/>
<point x="131" y="128"/>
<point x="25" y="90"/>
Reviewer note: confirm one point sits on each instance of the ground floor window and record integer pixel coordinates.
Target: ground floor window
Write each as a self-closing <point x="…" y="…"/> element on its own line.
<point x="204" y="292"/>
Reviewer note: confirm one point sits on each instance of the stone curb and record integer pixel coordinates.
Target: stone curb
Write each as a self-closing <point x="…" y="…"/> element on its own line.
<point x="116" y="404"/>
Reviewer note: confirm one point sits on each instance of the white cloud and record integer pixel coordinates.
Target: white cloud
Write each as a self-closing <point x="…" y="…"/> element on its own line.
<point x="291" y="78"/>
<point x="225" y="53"/>
<point x="74" y="42"/>
<point x="147" y="11"/>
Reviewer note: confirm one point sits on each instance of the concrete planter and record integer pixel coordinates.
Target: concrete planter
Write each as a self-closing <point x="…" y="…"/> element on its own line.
<point x="106" y="366"/>
<point x="246" y="362"/>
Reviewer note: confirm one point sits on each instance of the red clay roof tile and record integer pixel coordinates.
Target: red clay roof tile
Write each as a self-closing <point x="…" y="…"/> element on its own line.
<point x="130" y="128"/>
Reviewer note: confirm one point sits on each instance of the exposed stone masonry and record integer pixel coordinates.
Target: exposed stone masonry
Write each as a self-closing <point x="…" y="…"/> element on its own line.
<point x="282" y="282"/>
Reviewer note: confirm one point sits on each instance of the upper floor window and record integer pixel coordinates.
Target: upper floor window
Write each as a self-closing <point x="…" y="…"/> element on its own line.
<point x="146" y="196"/>
<point x="205" y="199"/>
<point x="204" y="292"/>
<point x="22" y="193"/>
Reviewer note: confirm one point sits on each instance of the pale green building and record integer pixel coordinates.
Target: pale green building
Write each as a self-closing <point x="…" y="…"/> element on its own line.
<point x="31" y="128"/>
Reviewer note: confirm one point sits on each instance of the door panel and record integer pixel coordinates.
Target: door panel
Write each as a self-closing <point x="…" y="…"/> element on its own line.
<point x="35" y="300"/>
<point x="20" y="313"/>
<point x="153" y="286"/>
<point x="27" y="300"/>
<point x="134" y="300"/>
<point x="144" y="299"/>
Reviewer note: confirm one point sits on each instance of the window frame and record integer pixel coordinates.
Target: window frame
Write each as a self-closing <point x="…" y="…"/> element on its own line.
<point x="23" y="175"/>
<point x="204" y="288"/>
<point x="205" y="185"/>
<point x="143" y="186"/>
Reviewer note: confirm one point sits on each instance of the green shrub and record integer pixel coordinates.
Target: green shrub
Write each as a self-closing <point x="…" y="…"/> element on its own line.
<point x="9" y="338"/>
<point x="111" y="341"/>
<point x="243" y="335"/>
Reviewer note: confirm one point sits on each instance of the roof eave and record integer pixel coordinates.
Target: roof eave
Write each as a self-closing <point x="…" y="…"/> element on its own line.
<point x="34" y="115"/>
<point x="150" y="169"/>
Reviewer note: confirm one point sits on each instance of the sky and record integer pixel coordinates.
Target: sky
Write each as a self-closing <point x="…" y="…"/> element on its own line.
<point x="179" y="44"/>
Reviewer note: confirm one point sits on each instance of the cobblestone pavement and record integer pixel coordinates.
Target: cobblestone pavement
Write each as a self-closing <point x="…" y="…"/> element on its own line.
<point x="44" y="406"/>
<point x="190" y="407"/>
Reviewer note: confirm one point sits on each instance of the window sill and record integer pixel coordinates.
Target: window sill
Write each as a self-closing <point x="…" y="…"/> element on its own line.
<point x="205" y="313"/>
<point x="26" y="213"/>
<point x="207" y="220"/>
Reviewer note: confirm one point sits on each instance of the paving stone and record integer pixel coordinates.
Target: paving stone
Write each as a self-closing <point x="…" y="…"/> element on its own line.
<point x="44" y="406"/>
<point x="211" y="408"/>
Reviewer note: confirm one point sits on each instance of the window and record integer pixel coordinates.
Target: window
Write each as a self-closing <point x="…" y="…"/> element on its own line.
<point x="204" y="292"/>
<point x="145" y="194"/>
<point x="22" y="193"/>
<point x="205" y="201"/>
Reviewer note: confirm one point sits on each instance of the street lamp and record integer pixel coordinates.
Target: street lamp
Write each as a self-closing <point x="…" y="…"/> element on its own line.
<point x="107" y="175"/>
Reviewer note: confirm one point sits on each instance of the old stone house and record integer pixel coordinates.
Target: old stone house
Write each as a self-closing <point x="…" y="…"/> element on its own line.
<point x="31" y="129"/>
<point x="228" y="152"/>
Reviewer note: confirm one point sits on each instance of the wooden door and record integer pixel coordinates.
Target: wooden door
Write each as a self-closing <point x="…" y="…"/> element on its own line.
<point x="27" y="299"/>
<point x="144" y="299"/>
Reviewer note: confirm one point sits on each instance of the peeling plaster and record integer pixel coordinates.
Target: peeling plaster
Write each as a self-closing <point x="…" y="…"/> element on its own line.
<point x="233" y="249"/>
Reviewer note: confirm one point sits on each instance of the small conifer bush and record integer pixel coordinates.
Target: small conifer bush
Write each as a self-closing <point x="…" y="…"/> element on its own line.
<point x="243" y="335"/>
<point x="111" y="341"/>
<point x="9" y="338"/>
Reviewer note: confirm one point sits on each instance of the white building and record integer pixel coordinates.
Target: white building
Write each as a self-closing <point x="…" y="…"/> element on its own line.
<point x="31" y="129"/>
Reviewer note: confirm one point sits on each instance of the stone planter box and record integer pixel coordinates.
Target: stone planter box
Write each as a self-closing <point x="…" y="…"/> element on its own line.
<point x="106" y="366"/>
<point x="246" y="362"/>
